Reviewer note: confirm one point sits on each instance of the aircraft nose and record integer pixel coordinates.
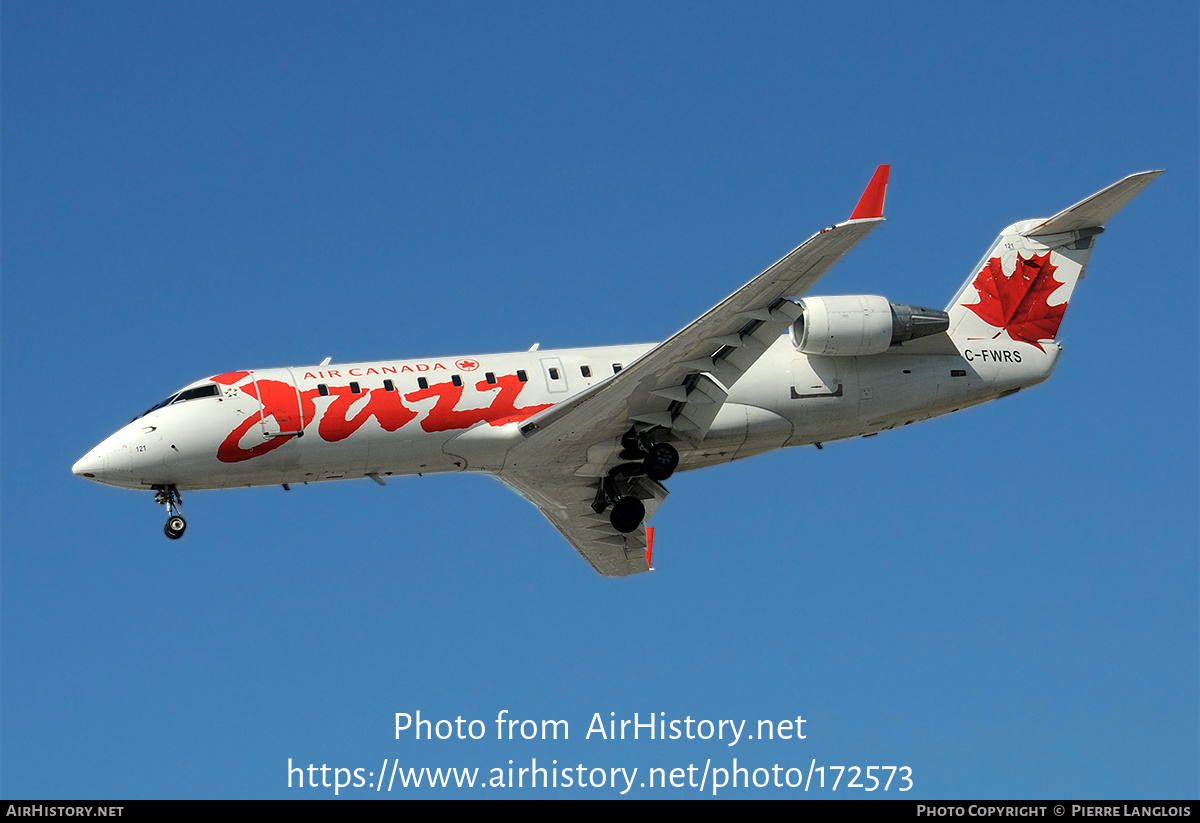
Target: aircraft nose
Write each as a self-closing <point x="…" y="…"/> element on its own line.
<point x="111" y="462"/>
<point x="91" y="465"/>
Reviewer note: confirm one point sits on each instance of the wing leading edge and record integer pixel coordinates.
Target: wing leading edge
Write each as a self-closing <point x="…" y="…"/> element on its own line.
<point x="677" y="387"/>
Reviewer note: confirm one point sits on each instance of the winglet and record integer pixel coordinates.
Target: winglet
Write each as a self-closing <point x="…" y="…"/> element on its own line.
<point x="870" y="205"/>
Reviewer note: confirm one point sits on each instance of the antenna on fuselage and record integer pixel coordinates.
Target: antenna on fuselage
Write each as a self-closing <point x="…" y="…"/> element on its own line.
<point x="534" y="346"/>
<point x="325" y="362"/>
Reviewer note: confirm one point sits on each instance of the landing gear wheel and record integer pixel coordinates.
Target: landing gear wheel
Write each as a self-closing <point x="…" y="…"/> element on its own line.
<point x="175" y="526"/>
<point x="627" y="514"/>
<point x="169" y="496"/>
<point x="661" y="462"/>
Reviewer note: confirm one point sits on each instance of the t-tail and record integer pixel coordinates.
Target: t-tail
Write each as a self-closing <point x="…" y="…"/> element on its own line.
<point x="1020" y="289"/>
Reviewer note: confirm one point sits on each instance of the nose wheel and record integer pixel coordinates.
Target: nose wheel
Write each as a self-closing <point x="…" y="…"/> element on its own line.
<point x="175" y="526"/>
<point x="169" y="496"/>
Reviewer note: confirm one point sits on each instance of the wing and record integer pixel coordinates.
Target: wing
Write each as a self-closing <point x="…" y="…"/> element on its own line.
<point x="566" y="500"/>
<point x="677" y="387"/>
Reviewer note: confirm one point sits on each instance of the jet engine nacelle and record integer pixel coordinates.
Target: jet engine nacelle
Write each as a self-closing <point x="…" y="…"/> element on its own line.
<point x="858" y="324"/>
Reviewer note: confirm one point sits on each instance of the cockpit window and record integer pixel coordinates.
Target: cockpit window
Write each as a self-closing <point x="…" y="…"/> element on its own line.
<point x="200" y="391"/>
<point x="158" y="406"/>
<point x="209" y="390"/>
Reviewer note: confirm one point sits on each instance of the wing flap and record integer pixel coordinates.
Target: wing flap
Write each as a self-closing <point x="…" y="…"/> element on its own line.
<point x="697" y="414"/>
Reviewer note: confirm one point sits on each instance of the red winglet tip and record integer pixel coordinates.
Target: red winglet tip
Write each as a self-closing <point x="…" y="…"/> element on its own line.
<point x="871" y="202"/>
<point x="649" y="547"/>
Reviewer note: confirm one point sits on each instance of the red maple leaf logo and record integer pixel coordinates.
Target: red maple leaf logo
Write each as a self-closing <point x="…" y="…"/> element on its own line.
<point x="1017" y="302"/>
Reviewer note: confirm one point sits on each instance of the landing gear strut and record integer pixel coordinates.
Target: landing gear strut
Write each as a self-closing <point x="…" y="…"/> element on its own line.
<point x="169" y="496"/>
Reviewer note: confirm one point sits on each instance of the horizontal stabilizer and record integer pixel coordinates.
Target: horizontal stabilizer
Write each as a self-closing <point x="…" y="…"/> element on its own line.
<point x="1097" y="209"/>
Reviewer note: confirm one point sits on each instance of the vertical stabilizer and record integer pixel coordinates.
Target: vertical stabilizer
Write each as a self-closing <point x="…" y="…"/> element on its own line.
<point x="1021" y="287"/>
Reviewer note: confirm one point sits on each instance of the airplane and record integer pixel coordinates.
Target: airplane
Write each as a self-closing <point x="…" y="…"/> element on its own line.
<point x="591" y="435"/>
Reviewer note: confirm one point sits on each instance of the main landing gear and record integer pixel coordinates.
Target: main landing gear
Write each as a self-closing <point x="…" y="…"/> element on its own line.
<point x="661" y="462"/>
<point x="169" y="496"/>
<point x="620" y="488"/>
<point x="658" y="459"/>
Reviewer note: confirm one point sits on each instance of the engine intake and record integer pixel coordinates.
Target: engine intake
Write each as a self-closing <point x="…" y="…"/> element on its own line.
<point x="859" y="324"/>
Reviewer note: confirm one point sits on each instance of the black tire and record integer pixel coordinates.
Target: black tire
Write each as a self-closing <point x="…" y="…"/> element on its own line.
<point x="661" y="462"/>
<point x="175" y="527"/>
<point x="627" y="514"/>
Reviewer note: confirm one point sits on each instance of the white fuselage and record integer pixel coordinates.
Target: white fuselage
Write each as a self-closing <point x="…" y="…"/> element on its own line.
<point x="332" y="422"/>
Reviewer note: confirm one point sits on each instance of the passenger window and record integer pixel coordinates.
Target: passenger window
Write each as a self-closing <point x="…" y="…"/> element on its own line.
<point x="617" y="367"/>
<point x="388" y="385"/>
<point x="422" y="383"/>
<point x="491" y="378"/>
<point x="354" y="388"/>
<point x="521" y="375"/>
<point x="456" y="380"/>
<point x="554" y="374"/>
<point x="586" y="371"/>
<point x="322" y="390"/>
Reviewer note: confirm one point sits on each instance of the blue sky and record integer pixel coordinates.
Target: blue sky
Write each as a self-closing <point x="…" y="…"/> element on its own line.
<point x="1004" y="601"/>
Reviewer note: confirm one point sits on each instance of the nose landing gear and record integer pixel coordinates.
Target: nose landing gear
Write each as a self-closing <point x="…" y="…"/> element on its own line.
<point x="169" y="496"/>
